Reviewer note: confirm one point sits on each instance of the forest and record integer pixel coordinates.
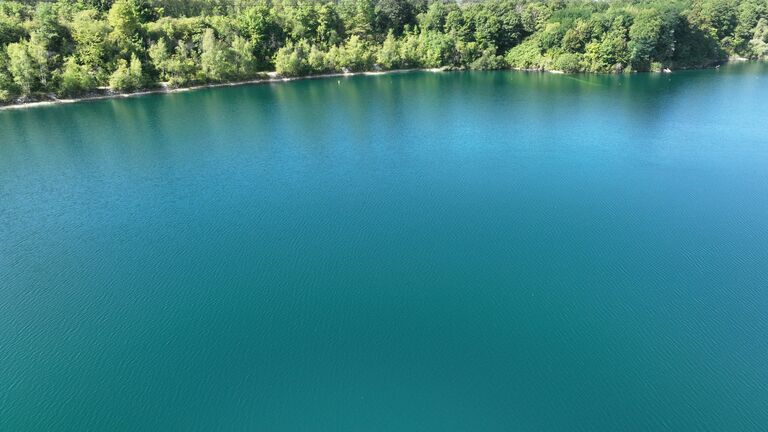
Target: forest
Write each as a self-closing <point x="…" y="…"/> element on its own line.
<point x="74" y="48"/>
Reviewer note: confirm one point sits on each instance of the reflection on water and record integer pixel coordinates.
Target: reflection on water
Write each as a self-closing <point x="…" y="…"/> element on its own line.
<point x="268" y="113"/>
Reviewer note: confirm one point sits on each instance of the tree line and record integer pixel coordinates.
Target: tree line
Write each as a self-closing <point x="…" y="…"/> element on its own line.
<point x="70" y="48"/>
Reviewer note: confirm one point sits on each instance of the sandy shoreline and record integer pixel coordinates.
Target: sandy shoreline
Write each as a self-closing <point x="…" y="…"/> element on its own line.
<point x="272" y="78"/>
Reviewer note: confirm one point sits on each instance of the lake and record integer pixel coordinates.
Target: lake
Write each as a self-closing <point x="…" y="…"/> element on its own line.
<point x="466" y="251"/>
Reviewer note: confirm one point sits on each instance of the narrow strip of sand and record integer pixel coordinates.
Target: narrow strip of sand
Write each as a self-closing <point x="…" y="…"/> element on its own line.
<point x="272" y="77"/>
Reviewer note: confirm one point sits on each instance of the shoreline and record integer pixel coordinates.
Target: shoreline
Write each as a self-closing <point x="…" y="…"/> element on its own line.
<point x="273" y="78"/>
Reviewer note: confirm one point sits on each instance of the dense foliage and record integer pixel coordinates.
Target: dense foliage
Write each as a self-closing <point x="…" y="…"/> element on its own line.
<point x="73" y="47"/>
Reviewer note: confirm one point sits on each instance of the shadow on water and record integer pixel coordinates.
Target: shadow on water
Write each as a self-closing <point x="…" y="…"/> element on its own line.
<point x="428" y="104"/>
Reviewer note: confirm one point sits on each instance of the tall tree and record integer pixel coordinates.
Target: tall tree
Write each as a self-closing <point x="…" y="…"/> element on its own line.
<point x="215" y="61"/>
<point x="644" y="37"/>
<point x="27" y="64"/>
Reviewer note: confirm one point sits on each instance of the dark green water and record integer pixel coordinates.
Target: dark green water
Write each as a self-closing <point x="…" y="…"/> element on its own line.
<point x="417" y="252"/>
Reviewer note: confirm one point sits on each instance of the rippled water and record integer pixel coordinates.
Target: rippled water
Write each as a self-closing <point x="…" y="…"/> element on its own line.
<point x="416" y="252"/>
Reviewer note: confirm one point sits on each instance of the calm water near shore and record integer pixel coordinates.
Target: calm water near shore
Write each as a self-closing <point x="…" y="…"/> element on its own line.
<point x="468" y="251"/>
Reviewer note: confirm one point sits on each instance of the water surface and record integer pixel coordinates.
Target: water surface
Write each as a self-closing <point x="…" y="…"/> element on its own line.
<point x="491" y="251"/>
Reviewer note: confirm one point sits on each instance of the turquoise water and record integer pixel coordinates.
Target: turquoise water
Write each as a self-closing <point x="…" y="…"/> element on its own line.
<point x="418" y="252"/>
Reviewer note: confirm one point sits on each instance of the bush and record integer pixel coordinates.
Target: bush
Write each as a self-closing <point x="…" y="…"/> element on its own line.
<point x="388" y="56"/>
<point x="75" y="79"/>
<point x="489" y="60"/>
<point x="410" y="52"/>
<point x="568" y="63"/>
<point x="292" y="59"/>
<point x="436" y="49"/>
<point x="318" y="61"/>
<point x="127" y="77"/>
<point x="355" y="55"/>
<point x="758" y="46"/>
<point x="120" y="79"/>
<point x="527" y="55"/>
<point x="7" y="87"/>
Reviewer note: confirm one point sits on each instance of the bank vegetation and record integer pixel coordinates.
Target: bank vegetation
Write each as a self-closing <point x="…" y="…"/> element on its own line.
<point x="76" y="48"/>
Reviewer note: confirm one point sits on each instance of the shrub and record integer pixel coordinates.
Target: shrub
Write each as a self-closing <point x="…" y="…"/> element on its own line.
<point x="75" y="79"/>
<point x="568" y="63"/>
<point x="527" y="55"/>
<point x="292" y="59"/>
<point x="127" y="77"/>
<point x="488" y="60"/>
